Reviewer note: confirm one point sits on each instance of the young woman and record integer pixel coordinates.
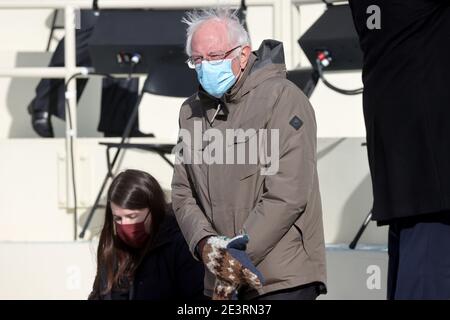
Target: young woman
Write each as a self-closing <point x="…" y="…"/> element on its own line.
<point x="142" y="253"/>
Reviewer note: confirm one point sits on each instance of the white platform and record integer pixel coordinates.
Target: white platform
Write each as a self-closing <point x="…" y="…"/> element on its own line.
<point x="66" y="270"/>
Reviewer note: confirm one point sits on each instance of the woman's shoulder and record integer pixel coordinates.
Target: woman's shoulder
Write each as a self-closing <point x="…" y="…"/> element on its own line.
<point x="170" y="225"/>
<point x="169" y="231"/>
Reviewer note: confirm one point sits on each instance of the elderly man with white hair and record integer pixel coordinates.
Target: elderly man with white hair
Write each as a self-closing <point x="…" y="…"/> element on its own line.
<point x="255" y="224"/>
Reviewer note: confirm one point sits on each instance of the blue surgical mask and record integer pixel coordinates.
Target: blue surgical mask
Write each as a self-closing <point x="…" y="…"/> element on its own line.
<point x="217" y="77"/>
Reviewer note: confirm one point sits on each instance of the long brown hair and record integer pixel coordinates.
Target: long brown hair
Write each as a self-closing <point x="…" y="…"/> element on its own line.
<point x="116" y="262"/>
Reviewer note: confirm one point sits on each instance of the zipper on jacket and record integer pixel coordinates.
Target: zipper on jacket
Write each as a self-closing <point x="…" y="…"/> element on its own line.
<point x="205" y="123"/>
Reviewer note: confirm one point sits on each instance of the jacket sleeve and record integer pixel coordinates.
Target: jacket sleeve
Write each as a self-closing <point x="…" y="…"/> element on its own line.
<point x="286" y="193"/>
<point x="190" y="217"/>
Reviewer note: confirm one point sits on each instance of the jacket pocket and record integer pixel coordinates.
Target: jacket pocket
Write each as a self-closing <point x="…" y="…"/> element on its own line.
<point x="244" y="147"/>
<point x="193" y="158"/>
<point x="243" y="135"/>
<point x="298" y="225"/>
<point x="248" y="171"/>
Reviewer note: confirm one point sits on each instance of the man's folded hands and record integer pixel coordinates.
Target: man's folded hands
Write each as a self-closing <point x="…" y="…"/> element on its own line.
<point x="227" y="260"/>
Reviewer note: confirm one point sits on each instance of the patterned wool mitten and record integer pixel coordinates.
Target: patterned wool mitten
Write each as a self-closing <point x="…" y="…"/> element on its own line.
<point x="227" y="260"/>
<point x="225" y="290"/>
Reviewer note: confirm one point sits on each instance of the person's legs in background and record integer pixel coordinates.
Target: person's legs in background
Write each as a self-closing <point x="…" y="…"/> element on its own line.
<point x="420" y="266"/>
<point x="307" y="292"/>
<point x="393" y="253"/>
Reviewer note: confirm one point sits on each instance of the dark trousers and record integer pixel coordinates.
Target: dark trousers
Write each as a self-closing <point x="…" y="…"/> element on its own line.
<point x="419" y="258"/>
<point x="306" y="292"/>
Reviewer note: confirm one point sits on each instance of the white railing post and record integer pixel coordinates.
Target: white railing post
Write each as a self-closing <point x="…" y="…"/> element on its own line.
<point x="71" y="106"/>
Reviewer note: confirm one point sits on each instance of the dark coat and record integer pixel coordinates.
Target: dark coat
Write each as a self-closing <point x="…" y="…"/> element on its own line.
<point x="168" y="271"/>
<point x="406" y="76"/>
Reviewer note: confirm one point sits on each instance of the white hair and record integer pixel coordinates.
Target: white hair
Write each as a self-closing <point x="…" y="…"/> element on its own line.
<point x="236" y="32"/>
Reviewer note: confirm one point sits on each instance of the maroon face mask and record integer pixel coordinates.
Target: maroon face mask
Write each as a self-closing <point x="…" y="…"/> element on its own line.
<point x="134" y="234"/>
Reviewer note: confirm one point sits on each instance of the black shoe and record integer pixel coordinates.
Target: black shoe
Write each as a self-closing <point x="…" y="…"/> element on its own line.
<point x="40" y="120"/>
